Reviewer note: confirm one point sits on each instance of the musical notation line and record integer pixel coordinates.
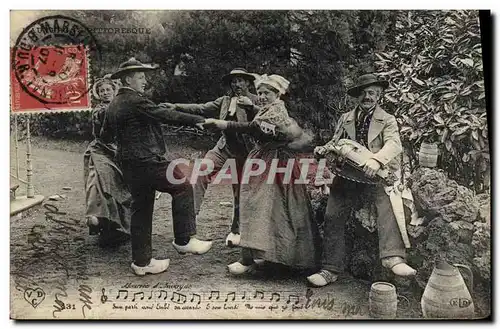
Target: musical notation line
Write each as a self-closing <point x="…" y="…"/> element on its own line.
<point x="197" y="297"/>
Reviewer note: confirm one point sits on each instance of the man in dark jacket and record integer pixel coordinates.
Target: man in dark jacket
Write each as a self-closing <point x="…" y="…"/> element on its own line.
<point x="231" y="145"/>
<point x="134" y="122"/>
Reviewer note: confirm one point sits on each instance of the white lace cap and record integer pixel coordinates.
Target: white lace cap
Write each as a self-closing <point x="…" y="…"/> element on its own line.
<point x="276" y="81"/>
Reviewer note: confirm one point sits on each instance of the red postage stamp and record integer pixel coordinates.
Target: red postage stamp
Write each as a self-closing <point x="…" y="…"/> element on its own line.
<point x="49" y="78"/>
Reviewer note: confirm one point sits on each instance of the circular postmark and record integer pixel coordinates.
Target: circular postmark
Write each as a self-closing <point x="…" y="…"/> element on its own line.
<point x="50" y="59"/>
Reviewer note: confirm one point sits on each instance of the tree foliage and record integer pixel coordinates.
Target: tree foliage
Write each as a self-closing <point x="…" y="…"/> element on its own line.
<point x="434" y="66"/>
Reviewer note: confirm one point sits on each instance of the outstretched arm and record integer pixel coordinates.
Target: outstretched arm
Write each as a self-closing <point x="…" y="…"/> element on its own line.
<point x="164" y="115"/>
<point x="263" y="128"/>
<point x="207" y="110"/>
<point x="244" y="127"/>
<point x="231" y="126"/>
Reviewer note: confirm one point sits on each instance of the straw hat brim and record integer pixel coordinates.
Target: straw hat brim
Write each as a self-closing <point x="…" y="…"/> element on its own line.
<point x="227" y="78"/>
<point x="136" y="68"/>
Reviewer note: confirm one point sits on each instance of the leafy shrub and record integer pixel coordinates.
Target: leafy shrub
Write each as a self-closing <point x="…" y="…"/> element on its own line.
<point x="434" y="66"/>
<point x="69" y="125"/>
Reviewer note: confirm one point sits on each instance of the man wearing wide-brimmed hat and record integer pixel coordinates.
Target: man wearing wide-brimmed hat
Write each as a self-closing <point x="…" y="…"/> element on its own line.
<point x="133" y="121"/>
<point x="231" y="145"/>
<point x="374" y="128"/>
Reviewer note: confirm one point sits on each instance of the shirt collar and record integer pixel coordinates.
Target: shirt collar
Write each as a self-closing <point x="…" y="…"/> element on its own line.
<point x="247" y="94"/>
<point x="359" y="110"/>
<point x="129" y="88"/>
<point x="124" y="88"/>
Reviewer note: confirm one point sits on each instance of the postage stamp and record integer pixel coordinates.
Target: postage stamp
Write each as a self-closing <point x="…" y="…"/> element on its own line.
<point x="283" y="165"/>
<point x="50" y="65"/>
<point x="50" y="78"/>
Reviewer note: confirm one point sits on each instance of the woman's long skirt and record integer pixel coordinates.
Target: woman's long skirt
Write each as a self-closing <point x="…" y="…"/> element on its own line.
<point x="107" y="196"/>
<point x="276" y="219"/>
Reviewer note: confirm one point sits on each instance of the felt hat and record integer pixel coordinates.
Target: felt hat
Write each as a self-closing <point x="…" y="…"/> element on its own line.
<point x="365" y="81"/>
<point x="238" y="72"/>
<point x="132" y="65"/>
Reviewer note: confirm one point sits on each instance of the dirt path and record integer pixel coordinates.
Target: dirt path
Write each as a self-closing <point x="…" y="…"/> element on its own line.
<point x="51" y="249"/>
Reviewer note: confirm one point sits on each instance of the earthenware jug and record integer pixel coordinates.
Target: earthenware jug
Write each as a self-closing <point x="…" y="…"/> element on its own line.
<point x="446" y="295"/>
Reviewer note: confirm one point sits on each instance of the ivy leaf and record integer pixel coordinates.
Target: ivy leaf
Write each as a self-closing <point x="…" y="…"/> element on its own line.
<point x="448" y="96"/>
<point x="389" y="56"/>
<point x="466" y="92"/>
<point x="448" y="145"/>
<point x="479" y="83"/>
<point x="405" y="129"/>
<point x="391" y="99"/>
<point x="467" y="61"/>
<point x="475" y="135"/>
<point x="381" y="58"/>
<point x="466" y="157"/>
<point x="406" y="99"/>
<point x="485" y="133"/>
<point x="445" y="134"/>
<point x="460" y="131"/>
<point x="438" y="119"/>
<point x="418" y="82"/>
<point x="447" y="108"/>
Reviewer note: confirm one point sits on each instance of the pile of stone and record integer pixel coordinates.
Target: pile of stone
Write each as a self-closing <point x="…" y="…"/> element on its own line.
<point x="453" y="225"/>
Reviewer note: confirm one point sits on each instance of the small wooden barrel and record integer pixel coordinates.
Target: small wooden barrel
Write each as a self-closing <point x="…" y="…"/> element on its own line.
<point x="383" y="301"/>
<point x="428" y="155"/>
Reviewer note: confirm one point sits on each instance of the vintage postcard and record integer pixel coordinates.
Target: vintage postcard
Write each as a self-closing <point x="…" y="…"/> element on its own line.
<point x="291" y="164"/>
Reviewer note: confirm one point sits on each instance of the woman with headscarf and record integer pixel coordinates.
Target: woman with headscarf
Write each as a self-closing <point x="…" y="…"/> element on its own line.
<point x="107" y="198"/>
<point x="276" y="218"/>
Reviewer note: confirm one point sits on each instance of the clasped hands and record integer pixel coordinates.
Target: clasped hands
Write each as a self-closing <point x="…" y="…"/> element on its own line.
<point x="222" y="124"/>
<point x="241" y="100"/>
<point x="212" y="124"/>
<point x="208" y="123"/>
<point x="244" y="101"/>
